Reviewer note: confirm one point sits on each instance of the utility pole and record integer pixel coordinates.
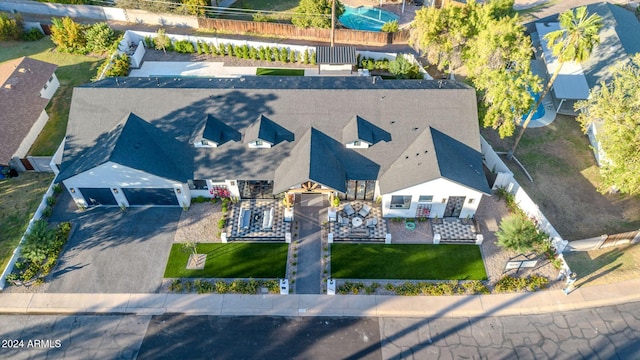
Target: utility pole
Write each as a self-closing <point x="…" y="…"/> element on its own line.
<point x="333" y="20"/>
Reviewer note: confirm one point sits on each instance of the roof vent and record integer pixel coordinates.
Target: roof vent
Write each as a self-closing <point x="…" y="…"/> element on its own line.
<point x="22" y="70"/>
<point x="8" y="86"/>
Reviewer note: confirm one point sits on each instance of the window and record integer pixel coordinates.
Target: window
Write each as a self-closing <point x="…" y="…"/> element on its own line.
<point x="45" y="86"/>
<point x="197" y="184"/>
<point x="471" y="201"/>
<point x="425" y="198"/>
<point x="400" y="201"/>
<point x="259" y="143"/>
<point x="357" y="143"/>
<point x="204" y="142"/>
<point x="51" y="78"/>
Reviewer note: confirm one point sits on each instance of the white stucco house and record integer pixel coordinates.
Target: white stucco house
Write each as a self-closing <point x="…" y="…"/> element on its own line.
<point x="26" y="86"/>
<point x="413" y="145"/>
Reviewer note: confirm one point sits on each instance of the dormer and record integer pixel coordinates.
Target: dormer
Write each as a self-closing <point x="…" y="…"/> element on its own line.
<point x="211" y="133"/>
<point x="265" y="133"/>
<point x="359" y="133"/>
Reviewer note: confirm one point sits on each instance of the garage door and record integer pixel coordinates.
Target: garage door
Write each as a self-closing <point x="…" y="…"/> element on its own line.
<point x="146" y="196"/>
<point x="98" y="196"/>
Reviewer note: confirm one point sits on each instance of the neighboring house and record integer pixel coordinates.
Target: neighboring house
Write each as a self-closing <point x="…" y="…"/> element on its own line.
<point x="26" y="86"/>
<point x="412" y="145"/>
<point x="619" y="40"/>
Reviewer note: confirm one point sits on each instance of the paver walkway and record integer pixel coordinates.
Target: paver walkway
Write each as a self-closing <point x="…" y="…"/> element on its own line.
<point x="309" y="277"/>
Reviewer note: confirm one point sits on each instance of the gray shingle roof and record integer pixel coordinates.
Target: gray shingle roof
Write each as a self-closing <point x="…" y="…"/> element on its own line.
<point x="334" y="55"/>
<point x="20" y="101"/>
<point x="267" y="130"/>
<point x="360" y="129"/>
<point x="213" y="129"/>
<point x="403" y="108"/>
<point x="137" y="144"/>
<point x="459" y="162"/>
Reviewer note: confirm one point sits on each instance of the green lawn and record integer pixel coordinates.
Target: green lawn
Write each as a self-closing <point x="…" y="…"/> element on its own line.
<point x="279" y="72"/>
<point x="73" y="70"/>
<point x="234" y="260"/>
<point x="407" y="262"/>
<point x="19" y="199"/>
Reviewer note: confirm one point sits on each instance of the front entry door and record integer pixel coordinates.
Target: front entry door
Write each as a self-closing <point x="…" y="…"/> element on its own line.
<point x="454" y="206"/>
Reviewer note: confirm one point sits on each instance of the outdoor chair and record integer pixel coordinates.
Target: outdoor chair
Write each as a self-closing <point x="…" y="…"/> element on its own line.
<point x="343" y="221"/>
<point x="371" y="223"/>
<point x="364" y="211"/>
<point x="348" y="210"/>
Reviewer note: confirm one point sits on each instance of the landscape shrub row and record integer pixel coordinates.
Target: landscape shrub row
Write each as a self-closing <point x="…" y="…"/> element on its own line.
<point x="417" y="288"/>
<point x="39" y="252"/>
<point x="518" y="284"/>
<point x="283" y="55"/>
<point x="251" y="286"/>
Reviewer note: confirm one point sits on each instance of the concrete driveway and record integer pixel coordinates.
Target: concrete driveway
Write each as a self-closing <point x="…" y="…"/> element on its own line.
<point x="110" y="251"/>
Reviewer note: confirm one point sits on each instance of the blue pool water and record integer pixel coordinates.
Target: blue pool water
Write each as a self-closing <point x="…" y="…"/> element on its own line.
<point x="366" y="18"/>
<point x="539" y="111"/>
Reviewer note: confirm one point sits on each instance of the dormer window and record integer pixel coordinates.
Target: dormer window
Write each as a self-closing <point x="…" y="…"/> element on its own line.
<point x="204" y="143"/>
<point x="259" y="144"/>
<point x="357" y="144"/>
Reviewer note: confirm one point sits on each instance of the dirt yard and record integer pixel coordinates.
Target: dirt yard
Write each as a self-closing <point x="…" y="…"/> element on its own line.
<point x="566" y="178"/>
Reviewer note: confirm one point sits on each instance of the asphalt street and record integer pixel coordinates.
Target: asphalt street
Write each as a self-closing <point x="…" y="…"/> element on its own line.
<point x="600" y="333"/>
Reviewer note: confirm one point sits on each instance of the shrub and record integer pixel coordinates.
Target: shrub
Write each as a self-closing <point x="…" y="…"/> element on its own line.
<point x="514" y="284"/>
<point x="199" y="200"/>
<point x="519" y="233"/>
<point x="47" y="211"/>
<point x="184" y="47"/>
<point x="390" y="26"/>
<point x="245" y="51"/>
<point x="32" y="34"/>
<point x="253" y="53"/>
<point x="149" y="42"/>
<point x="305" y="56"/>
<point x="229" y="50"/>
<point x="222" y="223"/>
<point x="312" y="57"/>
<point x="403" y="68"/>
<point x="203" y="286"/>
<point x="206" y="49"/>
<point x="162" y="41"/>
<point x="176" y="286"/>
<point x="10" y="28"/>
<point x="57" y="188"/>
<point x="119" y="66"/>
<point x="262" y="17"/>
<point x="100" y="37"/>
<point x="284" y="55"/>
<point x="68" y="35"/>
<point x="51" y="200"/>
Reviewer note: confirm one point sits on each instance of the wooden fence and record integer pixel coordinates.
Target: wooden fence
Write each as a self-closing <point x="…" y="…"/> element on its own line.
<point x="342" y="36"/>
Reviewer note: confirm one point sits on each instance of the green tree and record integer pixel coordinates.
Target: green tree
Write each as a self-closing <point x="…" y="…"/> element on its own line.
<point x="390" y="26"/>
<point x="615" y="107"/>
<point x="498" y="61"/>
<point x="68" y="35"/>
<point x="519" y="233"/>
<point x="193" y="7"/>
<point x="578" y="35"/>
<point x="162" y="41"/>
<point x="442" y="34"/>
<point x="99" y="37"/>
<point x="10" y="28"/>
<point x="403" y="68"/>
<point x="315" y="13"/>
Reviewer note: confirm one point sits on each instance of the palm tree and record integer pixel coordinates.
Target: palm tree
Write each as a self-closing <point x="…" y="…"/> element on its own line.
<point x="574" y="41"/>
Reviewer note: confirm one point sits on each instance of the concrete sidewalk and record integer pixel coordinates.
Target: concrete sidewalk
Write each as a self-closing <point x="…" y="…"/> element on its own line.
<point x="322" y="305"/>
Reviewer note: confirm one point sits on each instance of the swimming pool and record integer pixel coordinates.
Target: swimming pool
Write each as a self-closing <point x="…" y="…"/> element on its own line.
<point x="366" y="18"/>
<point x="539" y="111"/>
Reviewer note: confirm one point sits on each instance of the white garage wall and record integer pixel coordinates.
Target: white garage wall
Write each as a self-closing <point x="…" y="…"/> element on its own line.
<point x="115" y="176"/>
<point x="439" y="189"/>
